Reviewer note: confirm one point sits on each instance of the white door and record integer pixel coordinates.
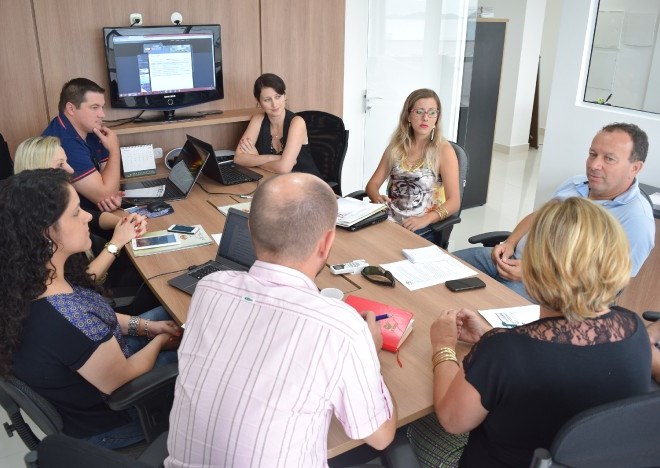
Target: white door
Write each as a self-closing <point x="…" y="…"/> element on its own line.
<point x="411" y="44"/>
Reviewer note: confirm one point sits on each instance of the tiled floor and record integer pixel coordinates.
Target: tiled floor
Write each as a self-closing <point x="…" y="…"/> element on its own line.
<point x="510" y="197"/>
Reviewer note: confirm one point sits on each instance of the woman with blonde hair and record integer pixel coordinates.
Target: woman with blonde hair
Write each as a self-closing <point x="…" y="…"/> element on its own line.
<point x="518" y="386"/>
<point x="422" y="168"/>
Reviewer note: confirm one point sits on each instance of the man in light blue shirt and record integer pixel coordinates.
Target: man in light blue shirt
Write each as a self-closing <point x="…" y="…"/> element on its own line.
<point x="616" y="156"/>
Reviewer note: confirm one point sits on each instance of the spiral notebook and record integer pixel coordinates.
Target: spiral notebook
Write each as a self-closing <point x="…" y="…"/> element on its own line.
<point x="138" y="160"/>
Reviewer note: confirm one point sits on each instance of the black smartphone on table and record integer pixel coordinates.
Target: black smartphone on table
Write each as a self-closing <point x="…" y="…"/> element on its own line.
<point x="465" y="284"/>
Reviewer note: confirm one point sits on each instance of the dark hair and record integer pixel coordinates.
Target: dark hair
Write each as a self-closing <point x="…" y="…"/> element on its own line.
<point x="74" y="92"/>
<point x="637" y="135"/>
<point x="30" y="202"/>
<point x="269" y="80"/>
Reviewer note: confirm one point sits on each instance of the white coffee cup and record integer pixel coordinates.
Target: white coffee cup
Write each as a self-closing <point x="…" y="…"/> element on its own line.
<point x="333" y="293"/>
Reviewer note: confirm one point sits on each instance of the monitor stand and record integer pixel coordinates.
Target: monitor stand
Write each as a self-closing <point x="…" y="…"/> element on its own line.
<point x="169" y="116"/>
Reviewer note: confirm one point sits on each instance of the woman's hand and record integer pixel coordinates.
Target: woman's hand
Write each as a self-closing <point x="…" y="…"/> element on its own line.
<point x="444" y="331"/>
<point x="415" y="223"/>
<point x="163" y="326"/>
<point x="129" y="228"/>
<point x="470" y="326"/>
<point x="246" y="146"/>
<point x="384" y="199"/>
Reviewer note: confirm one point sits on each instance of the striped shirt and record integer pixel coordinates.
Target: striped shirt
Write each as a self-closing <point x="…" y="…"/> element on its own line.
<point x="264" y="364"/>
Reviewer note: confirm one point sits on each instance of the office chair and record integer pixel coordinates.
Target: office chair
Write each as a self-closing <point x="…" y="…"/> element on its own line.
<point x="151" y="394"/>
<point x="620" y="433"/>
<point x="328" y="141"/>
<point x="60" y="451"/>
<point x="442" y="229"/>
<point x="492" y="238"/>
<point x="6" y="163"/>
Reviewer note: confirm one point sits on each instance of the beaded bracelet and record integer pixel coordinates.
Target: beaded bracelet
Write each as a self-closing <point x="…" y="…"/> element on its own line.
<point x="133" y="325"/>
<point x="443" y="355"/>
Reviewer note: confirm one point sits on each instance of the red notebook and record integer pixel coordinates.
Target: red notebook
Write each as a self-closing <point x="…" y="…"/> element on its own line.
<point x="394" y="329"/>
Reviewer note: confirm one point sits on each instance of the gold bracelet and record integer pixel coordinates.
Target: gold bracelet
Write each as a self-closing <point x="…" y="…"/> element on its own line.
<point x="442" y="212"/>
<point x="442" y="355"/>
<point x="444" y="360"/>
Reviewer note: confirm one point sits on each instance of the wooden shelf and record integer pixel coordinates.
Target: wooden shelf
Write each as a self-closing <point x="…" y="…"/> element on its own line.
<point x="236" y="115"/>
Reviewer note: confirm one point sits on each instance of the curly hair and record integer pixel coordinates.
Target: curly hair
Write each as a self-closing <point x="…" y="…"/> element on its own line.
<point x="26" y="249"/>
<point x="403" y="137"/>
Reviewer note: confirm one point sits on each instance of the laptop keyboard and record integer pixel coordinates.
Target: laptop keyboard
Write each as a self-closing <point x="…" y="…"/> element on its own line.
<point x="169" y="193"/>
<point x="232" y="176"/>
<point x="204" y="270"/>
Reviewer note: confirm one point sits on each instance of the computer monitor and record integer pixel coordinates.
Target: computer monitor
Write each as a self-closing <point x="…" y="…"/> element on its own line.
<point x="163" y="68"/>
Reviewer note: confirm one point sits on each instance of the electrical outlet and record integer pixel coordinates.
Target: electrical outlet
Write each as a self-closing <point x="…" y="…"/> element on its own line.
<point x="176" y="18"/>
<point x="135" y="18"/>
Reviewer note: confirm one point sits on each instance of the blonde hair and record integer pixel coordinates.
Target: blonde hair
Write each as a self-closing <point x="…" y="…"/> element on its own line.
<point x="404" y="137"/>
<point x="35" y="153"/>
<point x="577" y="258"/>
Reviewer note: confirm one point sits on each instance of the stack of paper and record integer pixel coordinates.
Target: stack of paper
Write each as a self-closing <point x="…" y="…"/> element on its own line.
<point x="432" y="253"/>
<point x="351" y="210"/>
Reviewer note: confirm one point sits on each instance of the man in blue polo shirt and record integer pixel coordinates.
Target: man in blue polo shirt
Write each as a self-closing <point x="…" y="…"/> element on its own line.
<point x="92" y="149"/>
<point x="616" y="156"/>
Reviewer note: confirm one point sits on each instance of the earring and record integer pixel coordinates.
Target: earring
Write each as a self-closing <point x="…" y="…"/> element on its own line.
<point x="51" y="250"/>
<point x="432" y="133"/>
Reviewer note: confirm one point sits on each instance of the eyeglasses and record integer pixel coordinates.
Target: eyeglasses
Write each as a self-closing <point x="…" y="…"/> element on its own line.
<point x="432" y="113"/>
<point x="378" y="275"/>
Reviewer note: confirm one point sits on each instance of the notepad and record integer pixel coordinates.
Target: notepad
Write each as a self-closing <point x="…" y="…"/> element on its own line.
<point x="432" y="253"/>
<point x="138" y="160"/>
<point x="394" y="329"/>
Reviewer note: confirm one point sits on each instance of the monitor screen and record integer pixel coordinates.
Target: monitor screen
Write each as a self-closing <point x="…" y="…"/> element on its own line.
<point x="163" y="67"/>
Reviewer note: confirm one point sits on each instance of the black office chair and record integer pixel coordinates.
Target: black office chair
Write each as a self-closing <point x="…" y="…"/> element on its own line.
<point x="442" y="229"/>
<point x="151" y="394"/>
<point x="6" y="163"/>
<point x="621" y="433"/>
<point x="60" y="451"/>
<point x="328" y="141"/>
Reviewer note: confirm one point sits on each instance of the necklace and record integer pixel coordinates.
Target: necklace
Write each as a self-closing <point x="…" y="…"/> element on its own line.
<point x="406" y="166"/>
<point x="273" y="150"/>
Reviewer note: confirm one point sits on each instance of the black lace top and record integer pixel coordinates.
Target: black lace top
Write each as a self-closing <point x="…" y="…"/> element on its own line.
<point x="535" y="377"/>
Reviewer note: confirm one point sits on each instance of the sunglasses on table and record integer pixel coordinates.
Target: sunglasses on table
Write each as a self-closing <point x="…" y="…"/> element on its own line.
<point x="378" y="275"/>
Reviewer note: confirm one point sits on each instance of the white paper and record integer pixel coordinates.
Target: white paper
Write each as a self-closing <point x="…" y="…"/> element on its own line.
<point x="421" y="275"/>
<point x="147" y="192"/>
<point x="655" y="199"/>
<point x="216" y="238"/>
<point x="351" y="210"/>
<point x="432" y="253"/>
<point x="510" y="317"/>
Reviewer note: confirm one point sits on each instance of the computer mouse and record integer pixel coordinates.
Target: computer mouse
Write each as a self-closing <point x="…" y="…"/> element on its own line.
<point x="158" y="206"/>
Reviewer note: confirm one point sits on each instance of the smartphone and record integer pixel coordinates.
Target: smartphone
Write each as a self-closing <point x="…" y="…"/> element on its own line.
<point x="181" y="229"/>
<point x="465" y="284"/>
<point x="155" y="241"/>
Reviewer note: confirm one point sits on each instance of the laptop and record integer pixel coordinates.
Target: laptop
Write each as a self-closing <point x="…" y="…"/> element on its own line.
<point x="181" y="179"/>
<point x="375" y="218"/>
<point x="222" y="168"/>
<point x="235" y="252"/>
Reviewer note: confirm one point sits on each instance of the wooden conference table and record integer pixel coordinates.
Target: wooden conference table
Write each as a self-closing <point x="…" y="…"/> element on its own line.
<point x="410" y="385"/>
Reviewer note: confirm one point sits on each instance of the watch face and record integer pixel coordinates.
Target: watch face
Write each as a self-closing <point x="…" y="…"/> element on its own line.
<point x="112" y="249"/>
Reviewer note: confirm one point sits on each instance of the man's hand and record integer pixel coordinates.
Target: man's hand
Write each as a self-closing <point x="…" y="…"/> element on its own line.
<point x="509" y="269"/>
<point x="108" y="138"/>
<point x="112" y="203"/>
<point x="502" y="251"/>
<point x="470" y="326"/>
<point x="374" y="328"/>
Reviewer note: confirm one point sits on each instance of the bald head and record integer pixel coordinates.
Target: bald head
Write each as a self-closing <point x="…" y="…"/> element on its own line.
<point x="289" y="214"/>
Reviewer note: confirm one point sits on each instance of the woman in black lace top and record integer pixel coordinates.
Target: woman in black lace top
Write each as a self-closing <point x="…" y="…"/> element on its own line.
<point x="518" y="386"/>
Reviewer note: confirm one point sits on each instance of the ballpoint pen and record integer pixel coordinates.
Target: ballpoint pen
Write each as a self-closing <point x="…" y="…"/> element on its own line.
<point x="382" y="317"/>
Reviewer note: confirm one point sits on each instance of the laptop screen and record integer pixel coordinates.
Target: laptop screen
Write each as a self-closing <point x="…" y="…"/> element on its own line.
<point x="236" y="243"/>
<point x="185" y="172"/>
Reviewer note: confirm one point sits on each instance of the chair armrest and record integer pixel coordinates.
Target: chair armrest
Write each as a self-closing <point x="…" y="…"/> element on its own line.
<point x="152" y="396"/>
<point x="359" y="194"/>
<point x="144" y="386"/>
<point x="490" y="239"/>
<point x="445" y="223"/>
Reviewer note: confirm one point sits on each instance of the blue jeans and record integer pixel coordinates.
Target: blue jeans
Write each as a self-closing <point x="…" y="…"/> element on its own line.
<point x="123" y="436"/>
<point x="136" y="343"/>
<point x="479" y="257"/>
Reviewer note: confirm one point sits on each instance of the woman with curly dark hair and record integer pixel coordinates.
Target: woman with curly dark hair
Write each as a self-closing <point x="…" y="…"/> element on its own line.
<point x="58" y="334"/>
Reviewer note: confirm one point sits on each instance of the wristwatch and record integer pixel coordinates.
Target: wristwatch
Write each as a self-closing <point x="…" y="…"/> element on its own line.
<point x="113" y="249"/>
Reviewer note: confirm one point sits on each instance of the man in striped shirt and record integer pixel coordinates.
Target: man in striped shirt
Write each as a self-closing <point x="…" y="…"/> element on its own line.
<point x="266" y="360"/>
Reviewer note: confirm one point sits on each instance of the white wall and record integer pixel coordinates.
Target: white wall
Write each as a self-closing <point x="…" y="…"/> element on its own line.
<point x="521" y="52"/>
<point x="548" y="52"/>
<point x="572" y="123"/>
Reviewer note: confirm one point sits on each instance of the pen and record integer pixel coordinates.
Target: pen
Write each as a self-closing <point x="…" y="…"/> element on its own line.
<point x="382" y="317"/>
